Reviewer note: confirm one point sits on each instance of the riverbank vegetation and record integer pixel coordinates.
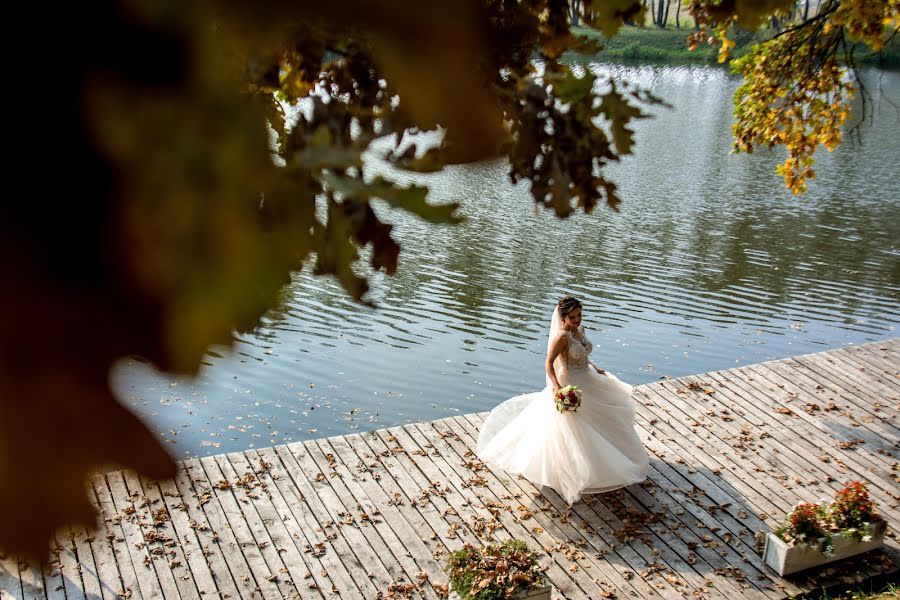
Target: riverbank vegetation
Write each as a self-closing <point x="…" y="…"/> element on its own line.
<point x="670" y="45"/>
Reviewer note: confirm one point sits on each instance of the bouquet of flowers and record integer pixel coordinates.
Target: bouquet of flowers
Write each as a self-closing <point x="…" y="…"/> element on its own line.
<point x="568" y="398"/>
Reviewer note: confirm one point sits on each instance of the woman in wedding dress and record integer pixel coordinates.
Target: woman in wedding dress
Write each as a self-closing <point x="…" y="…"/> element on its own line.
<point x="593" y="449"/>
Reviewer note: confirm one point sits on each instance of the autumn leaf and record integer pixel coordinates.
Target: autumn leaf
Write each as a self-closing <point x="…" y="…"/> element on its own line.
<point x="619" y="112"/>
<point x="411" y="198"/>
<point x="609" y="15"/>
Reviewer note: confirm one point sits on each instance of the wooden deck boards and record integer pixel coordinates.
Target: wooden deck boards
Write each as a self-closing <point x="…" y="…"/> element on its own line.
<point x="373" y="515"/>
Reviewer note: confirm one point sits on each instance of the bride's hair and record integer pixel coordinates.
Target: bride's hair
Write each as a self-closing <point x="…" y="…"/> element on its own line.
<point x="567" y="304"/>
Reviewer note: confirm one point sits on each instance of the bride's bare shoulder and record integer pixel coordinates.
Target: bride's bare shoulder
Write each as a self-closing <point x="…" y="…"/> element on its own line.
<point x="561" y="340"/>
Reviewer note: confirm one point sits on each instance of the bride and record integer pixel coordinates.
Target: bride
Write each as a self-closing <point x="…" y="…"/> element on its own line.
<point x="594" y="449"/>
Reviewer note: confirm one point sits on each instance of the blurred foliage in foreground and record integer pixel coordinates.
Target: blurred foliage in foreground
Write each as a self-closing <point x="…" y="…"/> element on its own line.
<point x="148" y="218"/>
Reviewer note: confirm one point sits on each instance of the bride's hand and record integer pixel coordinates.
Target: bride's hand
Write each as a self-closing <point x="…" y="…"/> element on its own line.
<point x="599" y="370"/>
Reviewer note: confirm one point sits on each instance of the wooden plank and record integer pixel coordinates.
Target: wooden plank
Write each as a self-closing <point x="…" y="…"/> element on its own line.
<point x="413" y="471"/>
<point x="425" y="494"/>
<point x="361" y="561"/>
<point x="144" y="563"/>
<point x="372" y="555"/>
<point x="467" y="506"/>
<point x="801" y="468"/>
<point x="698" y="539"/>
<point x="805" y="444"/>
<point x="572" y="582"/>
<point x="398" y="489"/>
<point x="264" y="573"/>
<point x="677" y="441"/>
<point x="229" y="580"/>
<point x="73" y="585"/>
<point x="177" y="542"/>
<point x="299" y="524"/>
<point x="786" y="447"/>
<point x="791" y="452"/>
<point x="189" y="549"/>
<point x="10" y="582"/>
<point x="762" y="477"/>
<point x="690" y="477"/>
<point x="395" y="539"/>
<point x="661" y="548"/>
<point x="232" y="550"/>
<point x="686" y="484"/>
<point x="408" y="526"/>
<point x="268" y="528"/>
<point x="884" y="358"/>
<point x="861" y="386"/>
<point x="577" y="523"/>
<point x="308" y="509"/>
<point x="582" y="526"/>
<point x="99" y="572"/>
<point x="735" y="428"/>
<point x="816" y="419"/>
<point x="114" y="533"/>
<point x="874" y="370"/>
<point x="417" y="490"/>
<point x="241" y="493"/>
<point x="783" y="385"/>
<point x="406" y="487"/>
<point x="154" y="520"/>
<point x="32" y="582"/>
<point x="54" y="585"/>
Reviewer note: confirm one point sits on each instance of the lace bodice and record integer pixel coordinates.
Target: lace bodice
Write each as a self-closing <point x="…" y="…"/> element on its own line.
<point x="579" y="349"/>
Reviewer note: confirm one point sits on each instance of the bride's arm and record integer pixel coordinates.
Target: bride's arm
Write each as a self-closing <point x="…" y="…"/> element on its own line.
<point x="599" y="370"/>
<point x="559" y="345"/>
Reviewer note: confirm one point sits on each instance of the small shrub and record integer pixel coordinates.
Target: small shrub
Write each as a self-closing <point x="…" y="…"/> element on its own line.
<point x="495" y="572"/>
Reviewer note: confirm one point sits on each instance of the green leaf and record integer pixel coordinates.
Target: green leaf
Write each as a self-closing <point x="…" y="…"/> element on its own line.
<point x="619" y="112"/>
<point x="411" y="199"/>
<point x="573" y="90"/>
<point x="609" y="15"/>
<point x="337" y="252"/>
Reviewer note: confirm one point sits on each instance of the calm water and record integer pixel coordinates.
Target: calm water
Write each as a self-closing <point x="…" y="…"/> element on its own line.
<point x="710" y="264"/>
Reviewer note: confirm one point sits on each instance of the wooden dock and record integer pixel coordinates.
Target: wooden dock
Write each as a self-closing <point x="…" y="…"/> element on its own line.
<point x="373" y="515"/>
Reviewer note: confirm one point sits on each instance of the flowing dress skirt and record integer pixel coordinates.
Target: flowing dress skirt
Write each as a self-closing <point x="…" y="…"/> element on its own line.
<point x="594" y="449"/>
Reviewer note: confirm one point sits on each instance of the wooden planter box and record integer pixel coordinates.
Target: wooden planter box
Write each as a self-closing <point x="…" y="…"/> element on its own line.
<point x="786" y="559"/>
<point x="540" y="593"/>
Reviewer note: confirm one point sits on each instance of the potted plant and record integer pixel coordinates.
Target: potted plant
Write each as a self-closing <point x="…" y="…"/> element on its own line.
<point x="497" y="572"/>
<point x="814" y="534"/>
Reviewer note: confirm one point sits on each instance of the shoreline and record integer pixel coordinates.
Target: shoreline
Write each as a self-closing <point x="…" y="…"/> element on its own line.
<point x="670" y="46"/>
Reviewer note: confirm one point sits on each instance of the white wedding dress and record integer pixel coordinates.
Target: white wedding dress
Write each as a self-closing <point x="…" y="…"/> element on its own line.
<point x="594" y="449"/>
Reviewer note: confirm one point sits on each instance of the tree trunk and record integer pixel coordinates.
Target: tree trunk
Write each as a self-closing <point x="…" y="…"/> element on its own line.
<point x="575" y="12"/>
<point x="806" y="10"/>
<point x="678" y="14"/>
<point x="666" y="18"/>
<point x="661" y="7"/>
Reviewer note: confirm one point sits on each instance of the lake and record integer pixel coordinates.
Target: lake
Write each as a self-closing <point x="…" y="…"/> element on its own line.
<point x="710" y="264"/>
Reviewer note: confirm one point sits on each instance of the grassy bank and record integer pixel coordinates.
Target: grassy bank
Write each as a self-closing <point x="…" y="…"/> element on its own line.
<point x="670" y="46"/>
<point x="890" y="592"/>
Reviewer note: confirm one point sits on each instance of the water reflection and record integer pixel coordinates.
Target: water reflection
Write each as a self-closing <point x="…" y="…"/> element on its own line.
<point x="709" y="264"/>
